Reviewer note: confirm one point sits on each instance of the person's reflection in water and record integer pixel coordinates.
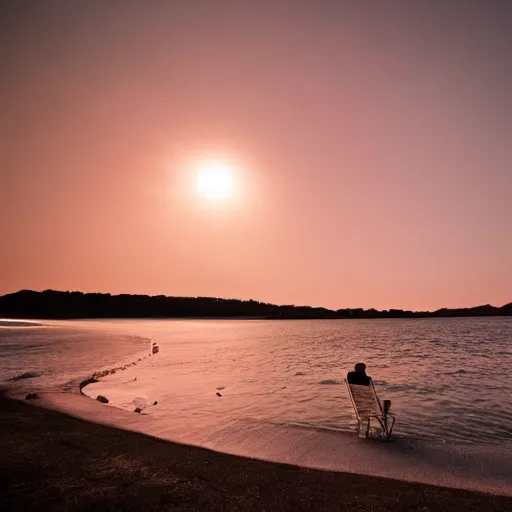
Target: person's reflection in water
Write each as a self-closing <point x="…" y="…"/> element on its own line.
<point x="358" y="376"/>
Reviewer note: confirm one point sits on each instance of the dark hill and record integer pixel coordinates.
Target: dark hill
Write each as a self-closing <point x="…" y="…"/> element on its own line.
<point x="58" y="304"/>
<point x="506" y="309"/>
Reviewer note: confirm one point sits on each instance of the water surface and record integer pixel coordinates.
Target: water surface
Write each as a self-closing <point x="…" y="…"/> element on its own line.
<point x="281" y="386"/>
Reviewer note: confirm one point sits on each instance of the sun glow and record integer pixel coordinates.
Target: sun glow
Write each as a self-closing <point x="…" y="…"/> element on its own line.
<point x="215" y="182"/>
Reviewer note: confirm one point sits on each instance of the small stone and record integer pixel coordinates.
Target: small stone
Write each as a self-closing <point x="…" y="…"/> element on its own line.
<point x="138" y="409"/>
<point x="32" y="396"/>
<point x="155" y="402"/>
<point x="102" y="399"/>
<point x="218" y="394"/>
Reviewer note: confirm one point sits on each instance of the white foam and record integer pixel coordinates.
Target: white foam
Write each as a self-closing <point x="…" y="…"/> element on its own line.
<point x="14" y="322"/>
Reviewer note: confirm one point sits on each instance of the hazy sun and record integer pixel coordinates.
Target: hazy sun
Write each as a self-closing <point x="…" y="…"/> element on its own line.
<point x="215" y="182"/>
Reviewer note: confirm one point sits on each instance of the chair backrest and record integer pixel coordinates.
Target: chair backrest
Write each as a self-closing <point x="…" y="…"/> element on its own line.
<point x="365" y="400"/>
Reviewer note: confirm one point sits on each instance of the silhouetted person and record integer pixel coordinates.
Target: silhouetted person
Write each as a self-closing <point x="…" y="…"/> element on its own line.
<point x="358" y="376"/>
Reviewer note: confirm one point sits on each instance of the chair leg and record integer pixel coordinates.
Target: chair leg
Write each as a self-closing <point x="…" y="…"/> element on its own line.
<point x="387" y="431"/>
<point x="391" y="429"/>
<point x="384" y="426"/>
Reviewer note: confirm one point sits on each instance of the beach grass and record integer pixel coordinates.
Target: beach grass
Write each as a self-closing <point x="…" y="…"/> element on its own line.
<point x="50" y="461"/>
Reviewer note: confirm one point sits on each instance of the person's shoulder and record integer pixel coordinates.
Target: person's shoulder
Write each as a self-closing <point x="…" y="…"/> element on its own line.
<point x="351" y="377"/>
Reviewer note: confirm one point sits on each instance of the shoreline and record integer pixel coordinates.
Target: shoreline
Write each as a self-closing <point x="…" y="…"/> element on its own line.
<point x="404" y="461"/>
<point x="366" y="460"/>
<point x="407" y="461"/>
<point x="80" y="464"/>
<point x="467" y="467"/>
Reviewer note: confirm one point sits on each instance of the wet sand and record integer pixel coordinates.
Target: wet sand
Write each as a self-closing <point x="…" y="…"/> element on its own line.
<point x="51" y="461"/>
<point x="470" y="466"/>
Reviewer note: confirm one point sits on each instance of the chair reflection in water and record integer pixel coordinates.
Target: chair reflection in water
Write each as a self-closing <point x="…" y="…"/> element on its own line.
<point x="373" y="420"/>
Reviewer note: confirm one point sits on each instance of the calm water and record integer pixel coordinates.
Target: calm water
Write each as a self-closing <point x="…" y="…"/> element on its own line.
<point x="447" y="378"/>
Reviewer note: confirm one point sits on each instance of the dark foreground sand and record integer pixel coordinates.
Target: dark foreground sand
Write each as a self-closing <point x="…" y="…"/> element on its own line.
<point x="49" y="461"/>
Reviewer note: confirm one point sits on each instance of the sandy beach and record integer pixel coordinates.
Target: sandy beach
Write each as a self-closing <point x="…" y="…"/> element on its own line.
<point x="51" y="461"/>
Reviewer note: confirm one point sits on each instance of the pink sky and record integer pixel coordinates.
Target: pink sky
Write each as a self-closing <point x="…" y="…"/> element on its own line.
<point x="371" y="148"/>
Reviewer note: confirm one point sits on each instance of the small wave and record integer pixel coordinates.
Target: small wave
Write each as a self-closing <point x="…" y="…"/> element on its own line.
<point x="300" y="374"/>
<point x="110" y="371"/>
<point x="304" y="425"/>
<point x="6" y="322"/>
<point x="331" y="382"/>
<point x="402" y="387"/>
<point x="25" y="375"/>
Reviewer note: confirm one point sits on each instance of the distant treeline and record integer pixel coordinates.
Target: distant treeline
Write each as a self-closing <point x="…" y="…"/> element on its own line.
<point x="58" y="304"/>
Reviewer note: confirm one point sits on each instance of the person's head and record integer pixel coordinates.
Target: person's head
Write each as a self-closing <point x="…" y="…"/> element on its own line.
<point x="360" y="368"/>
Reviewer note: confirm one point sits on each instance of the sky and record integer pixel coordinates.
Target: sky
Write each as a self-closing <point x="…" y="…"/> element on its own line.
<point x="369" y="144"/>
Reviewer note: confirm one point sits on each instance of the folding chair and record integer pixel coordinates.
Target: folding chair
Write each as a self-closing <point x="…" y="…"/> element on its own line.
<point x="367" y="407"/>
